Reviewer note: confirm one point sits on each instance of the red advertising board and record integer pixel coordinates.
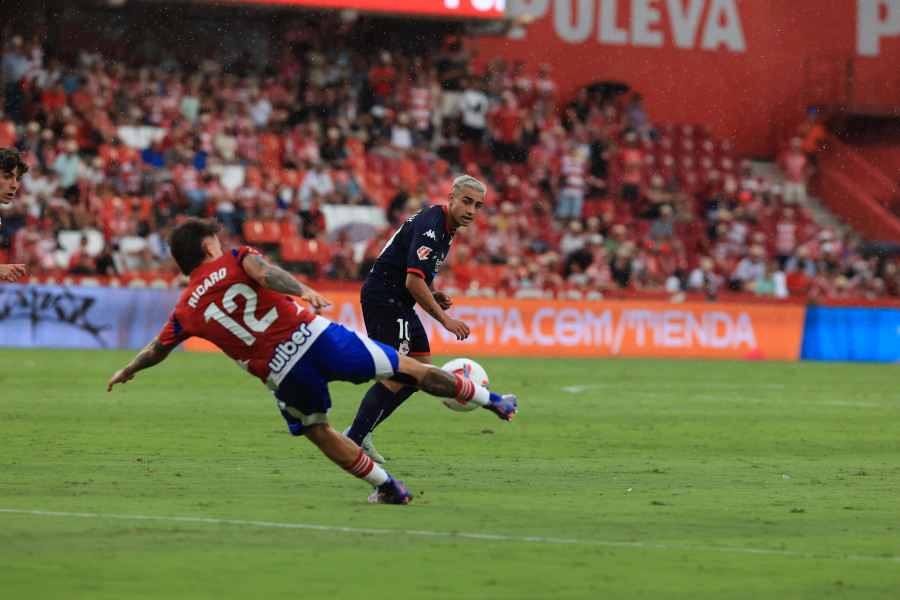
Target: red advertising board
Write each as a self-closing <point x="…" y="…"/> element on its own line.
<point x="482" y="9"/>
<point x="505" y="327"/>
<point x="747" y="68"/>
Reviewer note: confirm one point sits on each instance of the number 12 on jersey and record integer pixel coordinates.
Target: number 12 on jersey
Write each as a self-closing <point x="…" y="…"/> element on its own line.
<point x="213" y="312"/>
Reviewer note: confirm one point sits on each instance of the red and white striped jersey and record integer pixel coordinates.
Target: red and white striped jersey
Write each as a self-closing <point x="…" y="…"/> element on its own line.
<point x="572" y="169"/>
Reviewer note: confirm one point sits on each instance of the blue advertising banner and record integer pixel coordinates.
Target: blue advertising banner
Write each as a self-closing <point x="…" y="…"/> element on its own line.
<point x="851" y="334"/>
<point x="44" y="316"/>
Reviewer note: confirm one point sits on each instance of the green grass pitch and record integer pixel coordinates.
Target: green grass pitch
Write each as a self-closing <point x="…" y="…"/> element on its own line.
<point x="618" y="479"/>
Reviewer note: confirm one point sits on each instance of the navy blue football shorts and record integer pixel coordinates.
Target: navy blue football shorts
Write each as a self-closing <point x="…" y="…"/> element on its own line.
<point x="397" y="327"/>
<point x="337" y="354"/>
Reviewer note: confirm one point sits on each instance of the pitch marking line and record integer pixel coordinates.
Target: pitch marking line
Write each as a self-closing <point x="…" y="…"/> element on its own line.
<point x="454" y="534"/>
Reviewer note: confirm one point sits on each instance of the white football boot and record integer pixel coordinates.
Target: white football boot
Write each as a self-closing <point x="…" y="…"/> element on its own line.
<point x="369" y="448"/>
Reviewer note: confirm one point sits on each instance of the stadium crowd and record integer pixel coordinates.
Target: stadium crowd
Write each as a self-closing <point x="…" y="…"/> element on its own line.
<point x="588" y="196"/>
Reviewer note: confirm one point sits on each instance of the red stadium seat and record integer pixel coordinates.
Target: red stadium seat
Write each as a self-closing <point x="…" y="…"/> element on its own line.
<point x="305" y="256"/>
<point x="288" y="229"/>
<point x="262" y="231"/>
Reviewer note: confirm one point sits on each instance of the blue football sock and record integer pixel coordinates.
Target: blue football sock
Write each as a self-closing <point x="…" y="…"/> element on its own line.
<point x="398" y="399"/>
<point x="373" y="404"/>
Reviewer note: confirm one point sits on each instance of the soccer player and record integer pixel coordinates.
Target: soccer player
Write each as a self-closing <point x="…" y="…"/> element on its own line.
<point x="12" y="169"/>
<point x="403" y="276"/>
<point x="239" y="302"/>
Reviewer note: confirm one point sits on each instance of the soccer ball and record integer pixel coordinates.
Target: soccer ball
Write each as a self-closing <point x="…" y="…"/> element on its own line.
<point x="465" y="367"/>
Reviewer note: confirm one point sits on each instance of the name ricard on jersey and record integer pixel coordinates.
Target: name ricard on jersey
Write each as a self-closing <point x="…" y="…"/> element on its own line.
<point x="212" y="279"/>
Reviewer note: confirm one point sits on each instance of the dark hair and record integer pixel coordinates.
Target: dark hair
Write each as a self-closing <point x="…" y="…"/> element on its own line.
<point x="186" y="242"/>
<point x="10" y="160"/>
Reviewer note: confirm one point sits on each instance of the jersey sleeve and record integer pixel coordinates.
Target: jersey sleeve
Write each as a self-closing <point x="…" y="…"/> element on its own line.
<point x="422" y="248"/>
<point x="173" y="333"/>
<point x="243" y="251"/>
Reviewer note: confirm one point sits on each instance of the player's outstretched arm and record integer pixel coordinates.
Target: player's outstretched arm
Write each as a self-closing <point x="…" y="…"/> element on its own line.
<point x="425" y="298"/>
<point x="11" y="272"/>
<point x="152" y="354"/>
<point x="279" y="280"/>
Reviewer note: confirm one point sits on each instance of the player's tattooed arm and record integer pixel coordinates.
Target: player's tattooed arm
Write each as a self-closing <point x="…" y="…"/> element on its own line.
<point x="152" y="354"/>
<point x="279" y="280"/>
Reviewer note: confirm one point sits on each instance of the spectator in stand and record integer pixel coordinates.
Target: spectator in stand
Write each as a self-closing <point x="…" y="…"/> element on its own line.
<point x="545" y="88"/>
<point x="618" y="236"/>
<point x="153" y="155"/>
<point x="312" y="219"/>
<point x="663" y="226"/>
<point x="580" y="259"/>
<point x="601" y="148"/>
<point x="749" y="269"/>
<point x="317" y="181"/>
<point x="419" y="102"/>
<point x="636" y="120"/>
<point x="505" y="124"/>
<point x="14" y="65"/>
<point x="541" y="162"/>
<point x="397" y="207"/>
<point x="104" y="262"/>
<point x="343" y="264"/>
<point x="54" y="100"/>
<point x="474" y="106"/>
<point x="786" y="231"/>
<point x="794" y="167"/>
<point x="573" y="240"/>
<point x="82" y="265"/>
<point x="799" y="271"/>
<point x="571" y="182"/>
<point x="419" y="199"/>
<point x="579" y="109"/>
<point x="67" y="165"/>
<point x="772" y="282"/>
<point x="400" y="137"/>
<point x="705" y="278"/>
<point x="382" y="78"/>
<point x="632" y="159"/>
<point x="451" y="69"/>
<point x="812" y="135"/>
<point x="79" y="253"/>
<point x="333" y="151"/>
<point x="188" y="184"/>
<point x="621" y="265"/>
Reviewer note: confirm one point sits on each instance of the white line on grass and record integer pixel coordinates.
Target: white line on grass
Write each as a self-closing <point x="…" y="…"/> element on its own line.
<point x="454" y="534"/>
<point x="578" y="389"/>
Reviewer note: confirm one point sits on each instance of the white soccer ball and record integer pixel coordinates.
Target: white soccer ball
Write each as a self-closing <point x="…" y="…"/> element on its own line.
<point x="465" y="367"/>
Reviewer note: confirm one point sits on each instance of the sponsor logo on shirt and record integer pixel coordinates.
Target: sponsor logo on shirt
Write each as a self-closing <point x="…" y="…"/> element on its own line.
<point x="423" y="252"/>
<point x="288" y="348"/>
<point x="430" y="233"/>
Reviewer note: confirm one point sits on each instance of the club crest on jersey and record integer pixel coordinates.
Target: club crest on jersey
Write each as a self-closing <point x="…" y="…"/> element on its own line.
<point x="404" y="348"/>
<point x="288" y="348"/>
<point x="430" y="233"/>
<point x="423" y="252"/>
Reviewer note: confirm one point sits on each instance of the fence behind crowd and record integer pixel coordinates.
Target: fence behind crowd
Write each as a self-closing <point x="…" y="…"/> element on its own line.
<point x="45" y="316"/>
